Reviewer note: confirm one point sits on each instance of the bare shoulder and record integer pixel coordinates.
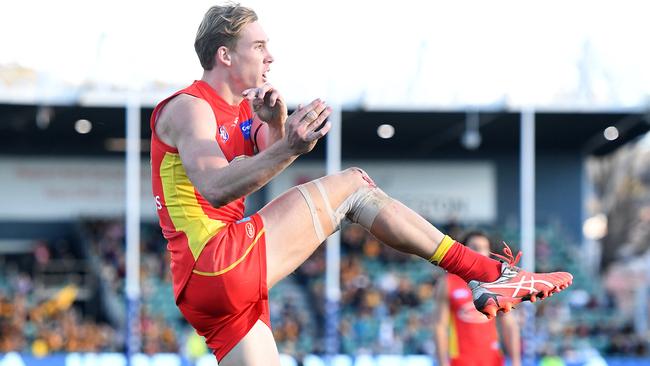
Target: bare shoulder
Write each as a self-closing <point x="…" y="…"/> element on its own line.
<point x="180" y="116"/>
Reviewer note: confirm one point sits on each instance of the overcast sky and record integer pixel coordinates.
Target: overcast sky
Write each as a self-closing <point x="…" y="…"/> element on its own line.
<point x="406" y="53"/>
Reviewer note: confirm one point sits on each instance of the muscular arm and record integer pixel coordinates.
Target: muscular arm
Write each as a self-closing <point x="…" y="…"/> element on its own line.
<point x="441" y="326"/>
<point x="511" y="337"/>
<point x="188" y="124"/>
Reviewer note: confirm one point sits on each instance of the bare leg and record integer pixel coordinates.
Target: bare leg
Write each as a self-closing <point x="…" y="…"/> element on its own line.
<point x="257" y="348"/>
<point x="403" y="229"/>
<point x="291" y="236"/>
<point x="295" y="228"/>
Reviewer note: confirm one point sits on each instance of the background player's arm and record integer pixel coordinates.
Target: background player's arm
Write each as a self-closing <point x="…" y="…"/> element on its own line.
<point x="188" y="123"/>
<point x="511" y="337"/>
<point x="441" y="322"/>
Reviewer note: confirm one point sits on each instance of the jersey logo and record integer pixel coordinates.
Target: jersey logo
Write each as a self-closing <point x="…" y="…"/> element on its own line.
<point x="250" y="230"/>
<point x="246" y="128"/>
<point x="223" y="133"/>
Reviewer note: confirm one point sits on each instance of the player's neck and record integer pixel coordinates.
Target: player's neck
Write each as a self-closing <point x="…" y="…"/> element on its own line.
<point x="219" y="82"/>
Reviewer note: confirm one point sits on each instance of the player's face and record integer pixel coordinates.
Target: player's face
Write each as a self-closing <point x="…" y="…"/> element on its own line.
<point x="251" y="58"/>
<point x="479" y="244"/>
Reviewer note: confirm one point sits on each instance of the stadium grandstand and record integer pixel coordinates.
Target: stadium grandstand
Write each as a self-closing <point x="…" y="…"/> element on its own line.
<point x="73" y="148"/>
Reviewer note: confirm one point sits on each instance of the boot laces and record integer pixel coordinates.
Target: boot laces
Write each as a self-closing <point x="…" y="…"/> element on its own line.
<point x="508" y="257"/>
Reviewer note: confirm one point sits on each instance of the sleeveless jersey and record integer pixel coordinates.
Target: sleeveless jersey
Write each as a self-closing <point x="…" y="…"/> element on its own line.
<point x="187" y="220"/>
<point x="472" y="336"/>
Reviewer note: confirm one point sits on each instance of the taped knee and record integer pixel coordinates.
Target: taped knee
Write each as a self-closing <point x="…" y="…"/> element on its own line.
<point x="363" y="205"/>
<point x="364" y="176"/>
<point x="360" y="207"/>
<point x="318" y="227"/>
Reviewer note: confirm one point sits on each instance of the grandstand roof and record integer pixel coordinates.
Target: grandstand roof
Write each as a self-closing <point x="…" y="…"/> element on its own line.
<point x="418" y="135"/>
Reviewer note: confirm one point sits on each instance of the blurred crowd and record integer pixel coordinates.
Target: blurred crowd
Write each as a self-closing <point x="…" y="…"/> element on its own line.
<point x="107" y="244"/>
<point x="386" y="303"/>
<point x="34" y="319"/>
<point x="386" y="297"/>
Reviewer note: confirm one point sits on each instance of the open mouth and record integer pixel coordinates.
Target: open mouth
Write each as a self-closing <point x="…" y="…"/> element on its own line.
<point x="265" y="75"/>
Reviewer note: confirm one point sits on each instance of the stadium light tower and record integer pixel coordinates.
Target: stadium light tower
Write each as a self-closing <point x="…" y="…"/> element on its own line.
<point x="527" y="220"/>
<point x="133" y="224"/>
<point x="527" y="181"/>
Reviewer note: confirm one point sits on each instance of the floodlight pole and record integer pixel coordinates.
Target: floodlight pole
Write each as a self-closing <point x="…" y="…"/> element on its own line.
<point x="527" y="181"/>
<point x="333" y="250"/>
<point x="133" y="162"/>
<point x="527" y="212"/>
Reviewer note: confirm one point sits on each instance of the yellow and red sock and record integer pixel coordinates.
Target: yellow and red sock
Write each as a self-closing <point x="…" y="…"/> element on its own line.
<point x="464" y="262"/>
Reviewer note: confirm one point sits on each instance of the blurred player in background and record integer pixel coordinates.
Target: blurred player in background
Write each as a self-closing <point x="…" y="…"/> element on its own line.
<point x="226" y="136"/>
<point x="464" y="336"/>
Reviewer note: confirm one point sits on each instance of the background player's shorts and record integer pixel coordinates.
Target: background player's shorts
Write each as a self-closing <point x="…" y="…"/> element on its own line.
<point x="227" y="293"/>
<point x="486" y="358"/>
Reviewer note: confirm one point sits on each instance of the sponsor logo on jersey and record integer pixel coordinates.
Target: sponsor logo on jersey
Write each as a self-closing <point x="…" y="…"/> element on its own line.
<point x="223" y="133"/>
<point x="246" y="128"/>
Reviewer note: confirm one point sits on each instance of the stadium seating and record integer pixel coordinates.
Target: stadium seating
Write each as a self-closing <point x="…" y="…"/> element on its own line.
<point x="386" y="303"/>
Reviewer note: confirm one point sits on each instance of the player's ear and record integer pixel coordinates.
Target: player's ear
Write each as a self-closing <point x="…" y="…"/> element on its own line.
<point x="223" y="55"/>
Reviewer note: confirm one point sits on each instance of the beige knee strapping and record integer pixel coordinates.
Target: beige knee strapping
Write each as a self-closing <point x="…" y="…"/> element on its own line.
<point x="361" y="207"/>
<point x="312" y="210"/>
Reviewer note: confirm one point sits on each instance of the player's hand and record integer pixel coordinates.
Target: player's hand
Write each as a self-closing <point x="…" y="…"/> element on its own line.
<point x="268" y="104"/>
<point x="306" y="125"/>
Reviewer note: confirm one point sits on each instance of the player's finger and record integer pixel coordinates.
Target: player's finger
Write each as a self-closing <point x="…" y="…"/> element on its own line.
<point x="261" y="92"/>
<point x="320" y="107"/>
<point x="316" y="117"/>
<point x="312" y="115"/>
<point x="322" y="116"/>
<point x="320" y="133"/>
<point x="300" y="113"/>
<point x="250" y="94"/>
<point x="309" y="117"/>
<point x="275" y="96"/>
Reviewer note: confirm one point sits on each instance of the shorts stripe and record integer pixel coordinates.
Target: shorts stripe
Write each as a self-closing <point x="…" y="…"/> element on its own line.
<point x="250" y="247"/>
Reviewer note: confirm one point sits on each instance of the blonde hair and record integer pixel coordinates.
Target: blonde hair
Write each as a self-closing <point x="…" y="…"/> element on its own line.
<point x="220" y="26"/>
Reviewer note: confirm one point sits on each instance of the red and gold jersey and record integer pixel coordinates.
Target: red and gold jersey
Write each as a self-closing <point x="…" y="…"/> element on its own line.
<point x="187" y="220"/>
<point x="473" y="338"/>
